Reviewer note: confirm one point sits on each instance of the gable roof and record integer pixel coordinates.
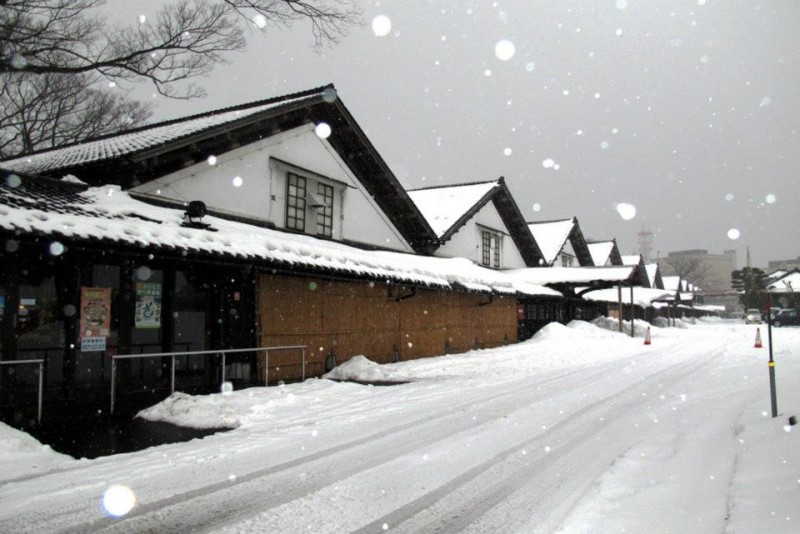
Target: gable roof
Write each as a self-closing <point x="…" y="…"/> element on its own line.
<point x="654" y="275"/>
<point x="632" y="259"/>
<point x="603" y="251"/>
<point x="108" y="217"/>
<point x="138" y="142"/>
<point x="448" y="208"/>
<point x="551" y="236"/>
<point x="788" y="283"/>
<point x="142" y="154"/>
<point x="672" y="283"/>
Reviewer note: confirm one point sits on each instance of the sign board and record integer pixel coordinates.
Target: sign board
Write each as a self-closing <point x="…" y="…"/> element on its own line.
<point x="148" y="305"/>
<point x="93" y="344"/>
<point x="95" y="318"/>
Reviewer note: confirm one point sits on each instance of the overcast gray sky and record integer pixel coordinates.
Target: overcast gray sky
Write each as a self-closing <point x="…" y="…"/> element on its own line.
<point x="687" y="110"/>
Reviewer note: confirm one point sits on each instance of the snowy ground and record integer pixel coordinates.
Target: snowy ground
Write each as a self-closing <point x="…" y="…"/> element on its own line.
<point x="578" y="430"/>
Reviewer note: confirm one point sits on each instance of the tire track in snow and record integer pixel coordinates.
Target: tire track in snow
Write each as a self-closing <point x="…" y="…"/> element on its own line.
<point x="260" y="502"/>
<point x="413" y="428"/>
<point x="573" y="429"/>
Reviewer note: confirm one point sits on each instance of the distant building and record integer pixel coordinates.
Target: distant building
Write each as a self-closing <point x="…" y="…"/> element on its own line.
<point x="785" y="265"/>
<point x="710" y="272"/>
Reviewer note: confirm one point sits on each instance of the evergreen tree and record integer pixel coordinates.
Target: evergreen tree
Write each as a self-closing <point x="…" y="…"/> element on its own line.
<point x="750" y="283"/>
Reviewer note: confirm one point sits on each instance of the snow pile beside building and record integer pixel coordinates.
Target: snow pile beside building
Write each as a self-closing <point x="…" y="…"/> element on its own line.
<point x="362" y="369"/>
<point x="23" y="455"/>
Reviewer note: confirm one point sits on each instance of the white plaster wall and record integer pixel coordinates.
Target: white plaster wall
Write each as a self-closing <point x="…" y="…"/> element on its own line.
<point x="566" y="249"/>
<point x="466" y="243"/>
<point x="247" y="181"/>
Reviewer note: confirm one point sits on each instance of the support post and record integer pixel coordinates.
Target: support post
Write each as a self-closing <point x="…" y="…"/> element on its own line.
<point x="222" y="382"/>
<point x="773" y="395"/>
<point x="41" y="392"/>
<point x="619" y="305"/>
<point x="113" y="383"/>
<point x="266" y="368"/>
<point x="633" y="312"/>
<point x="172" y="375"/>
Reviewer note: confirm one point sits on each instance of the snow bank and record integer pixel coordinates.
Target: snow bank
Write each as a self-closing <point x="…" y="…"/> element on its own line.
<point x="612" y="323"/>
<point x="663" y="322"/>
<point x="196" y="411"/>
<point x="590" y="330"/>
<point x="553" y="331"/>
<point x="362" y="369"/>
<point x="23" y="455"/>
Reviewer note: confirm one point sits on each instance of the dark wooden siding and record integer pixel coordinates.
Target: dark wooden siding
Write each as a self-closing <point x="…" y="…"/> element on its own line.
<point x="343" y="319"/>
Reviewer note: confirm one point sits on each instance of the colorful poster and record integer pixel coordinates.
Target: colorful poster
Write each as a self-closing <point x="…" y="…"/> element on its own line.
<point x="95" y="318"/>
<point x="148" y="305"/>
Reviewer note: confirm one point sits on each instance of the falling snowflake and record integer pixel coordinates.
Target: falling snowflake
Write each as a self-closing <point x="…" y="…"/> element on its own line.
<point x="626" y="211"/>
<point x="381" y="25"/>
<point x="504" y="50"/>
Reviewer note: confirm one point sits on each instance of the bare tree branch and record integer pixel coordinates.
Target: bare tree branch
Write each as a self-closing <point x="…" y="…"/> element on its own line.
<point x="187" y="40"/>
<point x="54" y="109"/>
<point x="54" y="52"/>
<point x="694" y="270"/>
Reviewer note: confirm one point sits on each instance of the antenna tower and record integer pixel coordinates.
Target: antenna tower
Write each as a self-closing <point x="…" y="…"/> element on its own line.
<point x="645" y="243"/>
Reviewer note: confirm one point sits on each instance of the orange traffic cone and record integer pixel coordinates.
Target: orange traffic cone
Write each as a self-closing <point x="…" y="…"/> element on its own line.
<point x="647" y="336"/>
<point x="758" y="338"/>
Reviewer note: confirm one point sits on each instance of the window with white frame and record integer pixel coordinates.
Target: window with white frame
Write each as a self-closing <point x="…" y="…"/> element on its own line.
<point x="567" y="260"/>
<point x="490" y="248"/>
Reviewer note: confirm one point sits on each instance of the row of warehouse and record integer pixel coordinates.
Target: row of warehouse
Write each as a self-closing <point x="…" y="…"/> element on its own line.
<point x="172" y="255"/>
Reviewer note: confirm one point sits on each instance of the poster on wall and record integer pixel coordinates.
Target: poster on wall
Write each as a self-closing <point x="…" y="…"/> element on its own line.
<point x="148" y="305"/>
<point x="95" y="318"/>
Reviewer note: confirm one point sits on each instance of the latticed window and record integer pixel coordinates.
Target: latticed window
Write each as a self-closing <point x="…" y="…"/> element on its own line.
<point x="490" y="249"/>
<point x="324" y="210"/>
<point x="296" y="203"/>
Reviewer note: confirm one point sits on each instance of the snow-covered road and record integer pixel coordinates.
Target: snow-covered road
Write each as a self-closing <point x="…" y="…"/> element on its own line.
<point x="578" y="430"/>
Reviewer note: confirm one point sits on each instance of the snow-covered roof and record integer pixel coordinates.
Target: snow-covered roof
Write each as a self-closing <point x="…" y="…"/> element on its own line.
<point x="652" y="273"/>
<point x="444" y="206"/>
<point x="790" y="283"/>
<point x="671" y="283"/>
<point x="551" y="236"/>
<point x="600" y="251"/>
<point x="775" y="275"/>
<point x="148" y="137"/>
<point x="574" y="275"/>
<point x="63" y="211"/>
<point x="631" y="259"/>
<point x="642" y="296"/>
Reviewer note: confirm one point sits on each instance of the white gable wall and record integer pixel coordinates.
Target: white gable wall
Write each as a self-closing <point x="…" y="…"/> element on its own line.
<point x="466" y="242"/>
<point x="251" y="181"/>
<point x="569" y="252"/>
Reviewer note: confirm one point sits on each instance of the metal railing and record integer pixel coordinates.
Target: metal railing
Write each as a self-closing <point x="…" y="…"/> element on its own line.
<point x="41" y="381"/>
<point x="214" y="352"/>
